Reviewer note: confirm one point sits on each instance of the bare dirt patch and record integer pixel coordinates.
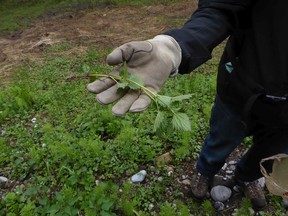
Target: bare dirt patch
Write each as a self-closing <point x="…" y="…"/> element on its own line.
<point x="103" y="27"/>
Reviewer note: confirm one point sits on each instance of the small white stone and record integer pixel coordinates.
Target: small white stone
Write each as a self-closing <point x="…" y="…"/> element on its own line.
<point x="139" y="177"/>
<point x="186" y="182"/>
<point x="236" y="189"/>
<point x="224" y="166"/>
<point x="233" y="162"/>
<point x="151" y="206"/>
<point x="229" y="172"/>
<point x="170" y="173"/>
<point x="43" y="145"/>
<point x="261" y="182"/>
<point x="160" y="179"/>
<point x="285" y="203"/>
<point x="252" y="212"/>
<point x="184" y="177"/>
<point x="219" y="206"/>
<point x="3" y="182"/>
<point x="220" y="193"/>
<point x="3" y="179"/>
<point x="3" y="132"/>
<point x="97" y="182"/>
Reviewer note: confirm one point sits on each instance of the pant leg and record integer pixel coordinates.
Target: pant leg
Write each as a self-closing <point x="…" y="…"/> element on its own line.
<point x="270" y="137"/>
<point x="273" y="142"/>
<point x="227" y="131"/>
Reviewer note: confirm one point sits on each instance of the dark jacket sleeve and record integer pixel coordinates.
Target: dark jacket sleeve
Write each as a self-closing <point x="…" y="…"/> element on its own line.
<point x="209" y="25"/>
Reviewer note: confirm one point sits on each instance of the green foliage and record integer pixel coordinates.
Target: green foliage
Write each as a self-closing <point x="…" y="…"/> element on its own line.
<point x="75" y="141"/>
<point x="76" y="157"/>
<point x="180" y="121"/>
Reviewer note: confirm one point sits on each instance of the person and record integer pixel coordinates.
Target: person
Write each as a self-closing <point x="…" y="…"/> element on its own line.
<point x="252" y="82"/>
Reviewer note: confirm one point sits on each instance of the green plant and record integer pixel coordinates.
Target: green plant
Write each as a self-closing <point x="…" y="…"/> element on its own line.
<point x="179" y="120"/>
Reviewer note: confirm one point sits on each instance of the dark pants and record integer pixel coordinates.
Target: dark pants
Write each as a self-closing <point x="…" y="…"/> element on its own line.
<point x="268" y="125"/>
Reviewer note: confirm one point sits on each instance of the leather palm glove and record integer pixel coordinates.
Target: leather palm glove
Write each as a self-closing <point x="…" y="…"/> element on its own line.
<point x="152" y="60"/>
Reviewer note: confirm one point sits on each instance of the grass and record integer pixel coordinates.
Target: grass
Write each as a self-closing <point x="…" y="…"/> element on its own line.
<point x="75" y="141"/>
<point x="64" y="154"/>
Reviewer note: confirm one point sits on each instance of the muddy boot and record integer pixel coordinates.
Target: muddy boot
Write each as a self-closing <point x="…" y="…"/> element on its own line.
<point x="255" y="193"/>
<point x="199" y="186"/>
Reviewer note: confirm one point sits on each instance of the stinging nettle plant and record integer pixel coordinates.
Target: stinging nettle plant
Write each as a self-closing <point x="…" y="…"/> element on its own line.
<point x="164" y="104"/>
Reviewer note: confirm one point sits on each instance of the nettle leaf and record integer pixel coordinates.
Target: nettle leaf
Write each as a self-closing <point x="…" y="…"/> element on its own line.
<point x="164" y="101"/>
<point x="158" y="120"/>
<point x="135" y="82"/>
<point x="180" y="121"/>
<point x="122" y="85"/>
<point x="181" y="97"/>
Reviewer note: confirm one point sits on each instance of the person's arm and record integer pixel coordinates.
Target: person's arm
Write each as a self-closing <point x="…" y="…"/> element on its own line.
<point x="210" y="24"/>
<point x="155" y="60"/>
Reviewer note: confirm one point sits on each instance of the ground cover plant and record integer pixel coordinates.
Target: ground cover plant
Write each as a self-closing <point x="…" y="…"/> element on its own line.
<point x="64" y="154"/>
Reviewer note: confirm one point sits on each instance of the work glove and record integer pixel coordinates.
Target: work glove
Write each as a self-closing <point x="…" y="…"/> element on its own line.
<point x="152" y="60"/>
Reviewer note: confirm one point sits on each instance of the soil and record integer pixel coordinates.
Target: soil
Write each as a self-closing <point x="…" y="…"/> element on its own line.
<point x="104" y="26"/>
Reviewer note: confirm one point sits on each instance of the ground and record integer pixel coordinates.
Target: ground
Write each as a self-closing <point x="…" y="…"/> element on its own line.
<point x="105" y="26"/>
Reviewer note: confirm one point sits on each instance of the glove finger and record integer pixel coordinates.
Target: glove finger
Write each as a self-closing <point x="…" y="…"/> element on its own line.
<point x="110" y="95"/>
<point x="102" y="84"/>
<point x="126" y="51"/>
<point x="141" y="103"/>
<point x="123" y="105"/>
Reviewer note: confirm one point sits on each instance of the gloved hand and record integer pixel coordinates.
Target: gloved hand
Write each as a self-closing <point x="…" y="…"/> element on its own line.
<point x="152" y="60"/>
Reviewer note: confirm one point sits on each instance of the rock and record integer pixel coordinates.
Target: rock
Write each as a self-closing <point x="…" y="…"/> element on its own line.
<point x="233" y="162"/>
<point x="3" y="182"/>
<point x="221" y="193"/>
<point x="186" y="182"/>
<point x="224" y="166"/>
<point x="170" y="173"/>
<point x="160" y="179"/>
<point x="261" y="182"/>
<point x="139" y="177"/>
<point x="229" y="172"/>
<point x="220" y="180"/>
<point x="285" y="203"/>
<point x="164" y="159"/>
<point x="236" y="188"/>
<point x="184" y="177"/>
<point x="33" y="120"/>
<point x="170" y="170"/>
<point x="219" y="206"/>
<point x="151" y="206"/>
<point x="3" y="132"/>
<point x="97" y="182"/>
